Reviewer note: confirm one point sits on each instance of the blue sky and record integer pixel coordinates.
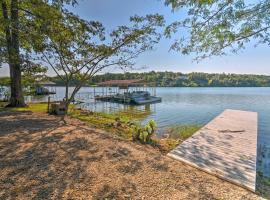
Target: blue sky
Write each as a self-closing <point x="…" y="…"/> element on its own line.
<point x="117" y="12"/>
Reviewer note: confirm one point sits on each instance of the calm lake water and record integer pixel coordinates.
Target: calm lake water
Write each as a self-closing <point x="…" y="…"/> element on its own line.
<point x="197" y="106"/>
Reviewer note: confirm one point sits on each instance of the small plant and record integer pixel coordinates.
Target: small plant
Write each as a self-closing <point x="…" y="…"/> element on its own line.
<point x="182" y="132"/>
<point x="144" y="134"/>
<point x="136" y="133"/>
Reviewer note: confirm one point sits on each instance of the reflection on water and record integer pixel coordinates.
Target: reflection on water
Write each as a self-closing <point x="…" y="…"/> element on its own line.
<point x="196" y="106"/>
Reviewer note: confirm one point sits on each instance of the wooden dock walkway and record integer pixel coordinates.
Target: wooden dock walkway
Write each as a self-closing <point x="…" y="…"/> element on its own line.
<point x="225" y="147"/>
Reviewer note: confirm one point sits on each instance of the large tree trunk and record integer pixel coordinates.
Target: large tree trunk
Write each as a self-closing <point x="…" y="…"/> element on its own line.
<point x="67" y="102"/>
<point x="12" y="41"/>
<point x="16" y="98"/>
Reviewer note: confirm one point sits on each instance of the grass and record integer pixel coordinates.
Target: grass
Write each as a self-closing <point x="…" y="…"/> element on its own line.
<point x="118" y="123"/>
<point x="2" y="105"/>
<point x="179" y="133"/>
<point x="263" y="185"/>
<point x="34" y="107"/>
<point x="182" y="132"/>
<point x="134" y="114"/>
<point x="266" y="181"/>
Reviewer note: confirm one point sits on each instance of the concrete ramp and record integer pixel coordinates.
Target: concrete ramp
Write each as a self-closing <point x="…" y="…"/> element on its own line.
<point x="225" y="147"/>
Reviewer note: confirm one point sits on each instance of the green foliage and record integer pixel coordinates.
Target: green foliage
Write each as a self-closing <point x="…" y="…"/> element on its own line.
<point x="32" y="107"/>
<point x="170" y="144"/>
<point x="177" y="79"/>
<point x="4" y="81"/>
<point x="174" y="79"/>
<point x="77" y="49"/>
<point x="118" y="123"/>
<point x="23" y="28"/>
<point x="3" y="104"/>
<point x="34" y="17"/>
<point x="214" y="26"/>
<point x="32" y="73"/>
<point x="145" y="133"/>
<point x="177" y="134"/>
<point x="263" y="185"/>
<point x="182" y="132"/>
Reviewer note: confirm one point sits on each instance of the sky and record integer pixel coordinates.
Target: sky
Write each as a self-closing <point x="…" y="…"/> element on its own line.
<point x="112" y="13"/>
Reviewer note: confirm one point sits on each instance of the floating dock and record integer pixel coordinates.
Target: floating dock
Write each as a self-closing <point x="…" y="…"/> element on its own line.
<point x="226" y="147"/>
<point x="128" y="99"/>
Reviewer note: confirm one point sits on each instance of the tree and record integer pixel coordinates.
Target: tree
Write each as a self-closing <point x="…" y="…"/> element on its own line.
<point x="215" y="27"/>
<point x="21" y="29"/>
<point x="11" y="27"/>
<point x="32" y="74"/>
<point x="79" y="49"/>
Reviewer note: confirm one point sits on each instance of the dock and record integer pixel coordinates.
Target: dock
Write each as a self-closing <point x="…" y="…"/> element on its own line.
<point x="130" y="91"/>
<point x="226" y="147"/>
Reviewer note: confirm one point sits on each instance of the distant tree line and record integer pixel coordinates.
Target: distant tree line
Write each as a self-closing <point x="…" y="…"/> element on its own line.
<point x="194" y="79"/>
<point x="178" y="79"/>
<point x="174" y="79"/>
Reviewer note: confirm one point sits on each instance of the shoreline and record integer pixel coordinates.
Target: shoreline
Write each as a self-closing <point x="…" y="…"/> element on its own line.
<point x="50" y="155"/>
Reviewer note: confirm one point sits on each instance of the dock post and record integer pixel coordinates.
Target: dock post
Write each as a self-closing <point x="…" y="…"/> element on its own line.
<point x="48" y="109"/>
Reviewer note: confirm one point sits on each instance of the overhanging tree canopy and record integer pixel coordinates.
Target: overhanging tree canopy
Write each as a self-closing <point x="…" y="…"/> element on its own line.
<point x="21" y="31"/>
<point x="216" y="26"/>
<point x="76" y="48"/>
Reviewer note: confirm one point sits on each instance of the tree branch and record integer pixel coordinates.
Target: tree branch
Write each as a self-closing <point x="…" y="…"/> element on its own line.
<point x="48" y="61"/>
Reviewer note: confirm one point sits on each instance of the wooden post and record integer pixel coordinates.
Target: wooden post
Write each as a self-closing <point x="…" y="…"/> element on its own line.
<point x="49" y="99"/>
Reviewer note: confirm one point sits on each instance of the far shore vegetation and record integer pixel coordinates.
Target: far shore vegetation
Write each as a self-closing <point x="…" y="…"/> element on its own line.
<point x="164" y="79"/>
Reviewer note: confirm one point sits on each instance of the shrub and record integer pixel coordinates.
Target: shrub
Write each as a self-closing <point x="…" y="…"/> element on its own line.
<point x="144" y="134"/>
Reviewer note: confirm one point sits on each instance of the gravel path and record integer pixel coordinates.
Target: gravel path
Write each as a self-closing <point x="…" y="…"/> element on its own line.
<point x="42" y="158"/>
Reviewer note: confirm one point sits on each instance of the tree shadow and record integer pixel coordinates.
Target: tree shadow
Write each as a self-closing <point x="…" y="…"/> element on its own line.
<point x="117" y="154"/>
<point x="126" y="189"/>
<point x="132" y="167"/>
<point x="38" y="161"/>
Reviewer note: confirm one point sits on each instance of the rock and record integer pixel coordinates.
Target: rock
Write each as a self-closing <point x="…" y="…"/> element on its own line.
<point x="166" y="135"/>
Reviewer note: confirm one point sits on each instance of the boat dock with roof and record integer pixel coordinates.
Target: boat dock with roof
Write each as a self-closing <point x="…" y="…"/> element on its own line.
<point x="133" y="91"/>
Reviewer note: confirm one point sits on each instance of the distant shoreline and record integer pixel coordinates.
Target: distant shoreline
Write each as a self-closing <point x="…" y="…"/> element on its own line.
<point x="173" y="79"/>
<point x="184" y="86"/>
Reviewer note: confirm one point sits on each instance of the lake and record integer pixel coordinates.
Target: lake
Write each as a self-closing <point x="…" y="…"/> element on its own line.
<point x="198" y="106"/>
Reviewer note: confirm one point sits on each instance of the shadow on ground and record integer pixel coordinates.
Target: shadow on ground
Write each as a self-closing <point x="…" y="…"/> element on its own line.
<point x="42" y="158"/>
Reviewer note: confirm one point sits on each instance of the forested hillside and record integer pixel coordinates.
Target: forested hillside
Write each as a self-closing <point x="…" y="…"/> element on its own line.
<point x="177" y="79"/>
<point x="195" y="79"/>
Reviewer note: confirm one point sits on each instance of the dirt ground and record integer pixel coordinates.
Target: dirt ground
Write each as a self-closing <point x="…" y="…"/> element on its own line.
<point x="42" y="158"/>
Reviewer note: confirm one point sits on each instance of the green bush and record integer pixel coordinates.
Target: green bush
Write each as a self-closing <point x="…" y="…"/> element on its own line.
<point x="144" y="134"/>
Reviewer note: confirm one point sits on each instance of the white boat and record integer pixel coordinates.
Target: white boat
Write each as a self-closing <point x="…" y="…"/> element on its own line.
<point x="142" y="97"/>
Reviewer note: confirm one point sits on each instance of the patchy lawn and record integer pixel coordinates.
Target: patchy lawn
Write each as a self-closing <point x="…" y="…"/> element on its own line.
<point x="120" y="123"/>
<point x="33" y="107"/>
